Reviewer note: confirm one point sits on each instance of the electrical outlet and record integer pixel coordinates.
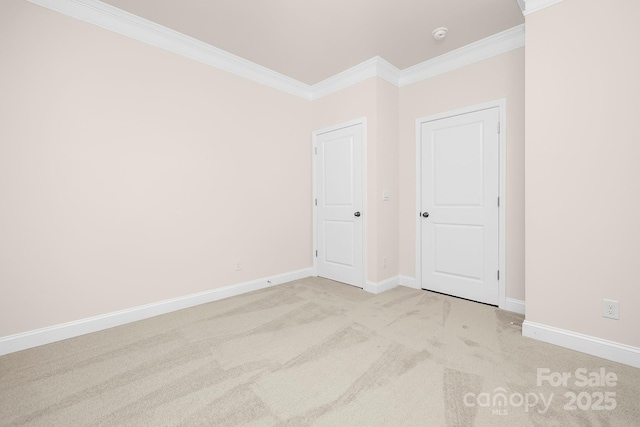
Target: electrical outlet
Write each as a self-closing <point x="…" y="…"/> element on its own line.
<point x="610" y="309"/>
<point x="238" y="264"/>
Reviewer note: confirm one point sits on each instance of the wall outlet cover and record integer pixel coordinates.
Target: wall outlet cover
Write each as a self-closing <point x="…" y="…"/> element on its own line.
<point x="610" y="309"/>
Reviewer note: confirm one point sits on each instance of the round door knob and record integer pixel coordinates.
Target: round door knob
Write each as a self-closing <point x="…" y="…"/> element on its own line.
<point x="425" y="214"/>
<point x="357" y="214"/>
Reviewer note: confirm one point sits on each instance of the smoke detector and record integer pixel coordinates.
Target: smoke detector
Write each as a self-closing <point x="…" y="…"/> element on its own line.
<point x="440" y="33"/>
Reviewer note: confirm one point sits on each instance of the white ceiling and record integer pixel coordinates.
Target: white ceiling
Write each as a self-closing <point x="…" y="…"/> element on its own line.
<point x="312" y="40"/>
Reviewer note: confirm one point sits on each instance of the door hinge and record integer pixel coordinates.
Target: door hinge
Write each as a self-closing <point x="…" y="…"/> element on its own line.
<point x="316" y="253"/>
<point x="498" y="274"/>
<point x="498" y="201"/>
<point x="316" y="202"/>
<point x="498" y="127"/>
<point x="316" y="150"/>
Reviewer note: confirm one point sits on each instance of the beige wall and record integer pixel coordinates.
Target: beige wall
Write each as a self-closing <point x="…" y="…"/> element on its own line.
<point x="582" y="167"/>
<point x="499" y="77"/>
<point x="130" y="175"/>
<point x="133" y="175"/>
<point x="387" y="167"/>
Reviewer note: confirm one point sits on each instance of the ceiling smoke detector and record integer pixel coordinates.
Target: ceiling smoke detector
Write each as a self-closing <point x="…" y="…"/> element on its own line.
<point x="440" y="33"/>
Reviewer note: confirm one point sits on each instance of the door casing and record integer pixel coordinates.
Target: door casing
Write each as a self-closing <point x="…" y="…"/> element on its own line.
<point x="363" y="122"/>
<point x="501" y="104"/>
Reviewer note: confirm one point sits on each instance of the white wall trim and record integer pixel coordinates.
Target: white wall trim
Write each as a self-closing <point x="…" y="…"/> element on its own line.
<point x="385" y="285"/>
<point x="409" y="282"/>
<point x="536" y="5"/>
<point x="374" y="67"/>
<point x="515" y="306"/>
<point x="501" y="104"/>
<point x="478" y="51"/>
<point x="502" y="209"/>
<point x="25" y="340"/>
<point x="511" y="304"/>
<point x="605" y="349"/>
<point x="119" y="21"/>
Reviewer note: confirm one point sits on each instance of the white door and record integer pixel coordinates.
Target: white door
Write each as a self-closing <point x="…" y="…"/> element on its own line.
<point x="339" y="203"/>
<point x="459" y="205"/>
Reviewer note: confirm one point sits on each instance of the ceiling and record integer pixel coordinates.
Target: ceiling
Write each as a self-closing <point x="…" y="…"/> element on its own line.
<point x="312" y="40"/>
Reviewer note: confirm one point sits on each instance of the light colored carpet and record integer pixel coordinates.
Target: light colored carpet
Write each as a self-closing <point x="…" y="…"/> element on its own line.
<point x="312" y="352"/>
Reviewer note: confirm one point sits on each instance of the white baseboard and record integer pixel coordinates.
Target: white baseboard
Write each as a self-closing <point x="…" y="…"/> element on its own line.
<point x="605" y="349"/>
<point x="391" y="283"/>
<point x="25" y="340"/>
<point x="385" y="285"/>
<point x="409" y="282"/>
<point x="515" y="305"/>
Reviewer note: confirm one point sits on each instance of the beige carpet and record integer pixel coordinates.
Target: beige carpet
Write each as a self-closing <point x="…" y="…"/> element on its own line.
<point x="314" y="352"/>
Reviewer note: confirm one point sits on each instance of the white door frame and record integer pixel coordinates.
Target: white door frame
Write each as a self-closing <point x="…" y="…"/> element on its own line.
<point x="501" y="104"/>
<point x="363" y="122"/>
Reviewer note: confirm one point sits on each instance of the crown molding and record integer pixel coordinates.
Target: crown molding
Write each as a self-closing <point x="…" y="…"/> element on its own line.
<point x="536" y="5"/>
<point x="374" y="67"/>
<point x="497" y="44"/>
<point x="119" y="21"/>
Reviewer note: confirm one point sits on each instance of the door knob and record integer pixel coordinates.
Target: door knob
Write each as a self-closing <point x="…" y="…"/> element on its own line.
<point x="425" y="214"/>
<point x="357" y="214"/>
